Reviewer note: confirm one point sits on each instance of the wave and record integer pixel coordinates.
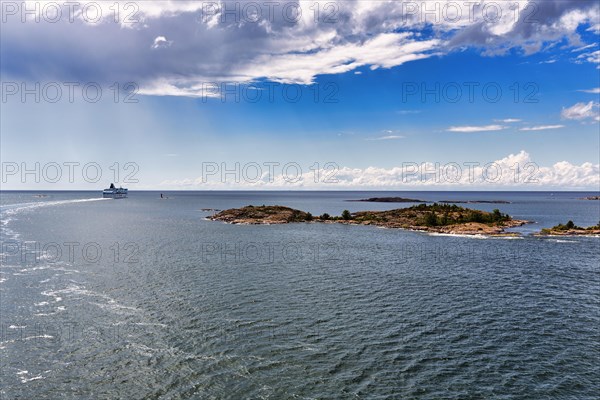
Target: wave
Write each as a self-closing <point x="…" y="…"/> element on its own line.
<point x="477" y="236"/>
<point x="22" y="374"/>
<point x="79" y="291"/>
<point x="8" y="212"/>
<point x="19" y="207"/>
<point x="578" y="236"/>
<point x="458" y="235"/>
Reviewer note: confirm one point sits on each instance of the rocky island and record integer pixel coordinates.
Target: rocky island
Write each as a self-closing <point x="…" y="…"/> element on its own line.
<point x="390" y="200"/>
<point x="265" y="215"/>
<point x="448" y="219"/>
<point x="591" y="198"/>
<point x="570" y="229"/>
<point x="474" y="202"/>
<point x="407" y="200"/>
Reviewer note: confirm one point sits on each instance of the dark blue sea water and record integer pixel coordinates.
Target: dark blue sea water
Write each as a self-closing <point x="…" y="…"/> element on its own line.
<point x="143" y="298"/>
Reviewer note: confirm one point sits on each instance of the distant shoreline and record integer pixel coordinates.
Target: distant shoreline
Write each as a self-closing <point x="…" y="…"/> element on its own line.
<point x="408" y="200"/>
<point x="390" y="200"/>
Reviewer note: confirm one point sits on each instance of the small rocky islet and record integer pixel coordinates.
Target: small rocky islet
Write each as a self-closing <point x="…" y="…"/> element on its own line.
<point x="408" y="200"/>
<point x="435" y="218"/>
<point x="570" y="229"/>
<point x="390" y="200"/>
<point x="474" y="202"/>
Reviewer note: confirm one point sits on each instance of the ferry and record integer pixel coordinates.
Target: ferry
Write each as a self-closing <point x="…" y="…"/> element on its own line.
<point x="114" y="193"/>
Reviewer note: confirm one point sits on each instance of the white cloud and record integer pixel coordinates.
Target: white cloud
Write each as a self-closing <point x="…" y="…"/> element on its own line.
<point x="593" y="91"/>
<point x="408" y="112"/>
<point x="594" y="28"/>
<point x="389" y="137"/>
<point x="508" y="120"/>
<point x="472" y="129"/>
<point x="541" y="127"/>
<point x="426" y="175"/>
<point x="582" y="111"/>
<point x="592" y="57"/>
<point x="173" y="87"/>
<point x="383" y="51"/>
<point x="589" y="46"/>
<point x="161" y="41"/>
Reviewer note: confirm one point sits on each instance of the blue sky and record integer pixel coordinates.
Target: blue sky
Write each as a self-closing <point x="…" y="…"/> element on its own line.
<point x="371" y="118"/>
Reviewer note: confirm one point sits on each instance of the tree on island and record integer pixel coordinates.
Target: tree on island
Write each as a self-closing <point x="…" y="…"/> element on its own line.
<point x="431" y="219"/>
<point x="445" y="219"/>
<point x="325" y="216"/>
<point x="570" y="225"/>
<point x="497" y="214"/>
<point x="346" y="215"/>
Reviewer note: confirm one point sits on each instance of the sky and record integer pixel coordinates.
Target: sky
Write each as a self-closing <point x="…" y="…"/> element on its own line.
<point x="306" y="95"/>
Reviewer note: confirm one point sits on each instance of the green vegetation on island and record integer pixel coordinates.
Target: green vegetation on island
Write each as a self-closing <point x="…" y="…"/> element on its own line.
<point x="571" y="229"/>
<point x="434" y="215"/>
<point x="262" y="215"/>
<point x="441" y="218"/>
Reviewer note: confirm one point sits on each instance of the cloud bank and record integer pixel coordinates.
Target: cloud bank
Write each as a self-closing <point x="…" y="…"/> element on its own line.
<point x="515" y="171"/>
<point x="173" y="47"/>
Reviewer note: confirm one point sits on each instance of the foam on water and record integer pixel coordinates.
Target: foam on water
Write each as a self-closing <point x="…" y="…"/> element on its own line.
<point x="562" y="241"/>
<point x="459" y="235"/>
<point x="10" y="211"/>
<point x="24" y="379"/>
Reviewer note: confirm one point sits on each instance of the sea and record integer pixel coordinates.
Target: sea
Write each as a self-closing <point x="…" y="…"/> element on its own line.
<point x="145" y="298"/>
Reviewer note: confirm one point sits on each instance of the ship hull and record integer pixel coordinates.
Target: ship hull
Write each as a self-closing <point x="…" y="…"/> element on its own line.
<point x="114" y="193"/>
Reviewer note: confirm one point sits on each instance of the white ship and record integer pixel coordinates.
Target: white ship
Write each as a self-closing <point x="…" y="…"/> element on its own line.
<point x="114" y="193"/>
